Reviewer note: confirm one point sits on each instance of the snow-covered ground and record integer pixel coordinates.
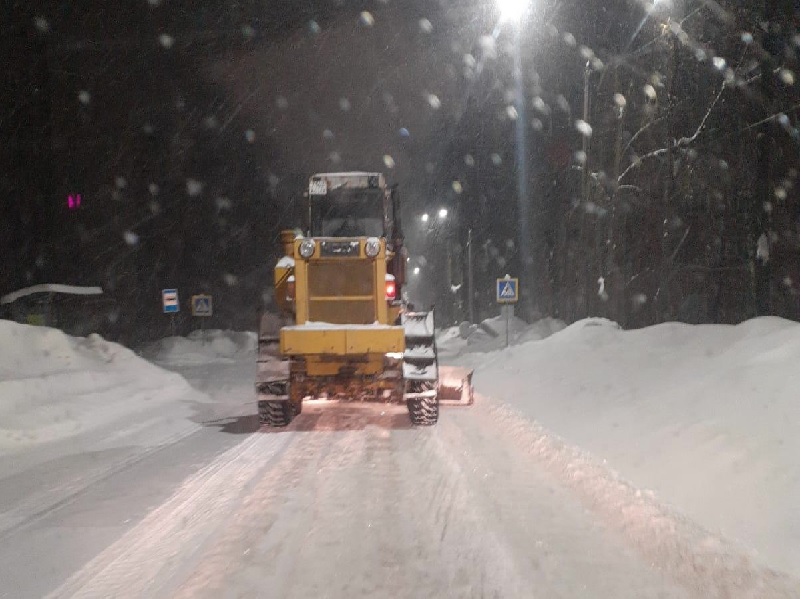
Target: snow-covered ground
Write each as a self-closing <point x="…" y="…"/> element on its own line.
<point x="491" y="335"/>
<point x="704" y="417"/>
<point x="54" y="387"/>
<point x="595" y="462"/>
<point x="202" y="347"/>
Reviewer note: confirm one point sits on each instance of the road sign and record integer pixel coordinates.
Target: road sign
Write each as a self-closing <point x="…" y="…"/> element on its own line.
<point x="169" y="300"/>
<point x="506" y="290"/>
<point x="201" y="305"/>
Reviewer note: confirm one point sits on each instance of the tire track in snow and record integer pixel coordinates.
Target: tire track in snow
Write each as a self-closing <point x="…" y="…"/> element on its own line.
<point x="44" y="502"/>
<point x="149" y="555"/>
<point x="707" y="565"/>
<point x="549" y="534"/>
<point x="369" y="512"/>
<point x="259" y="548"/>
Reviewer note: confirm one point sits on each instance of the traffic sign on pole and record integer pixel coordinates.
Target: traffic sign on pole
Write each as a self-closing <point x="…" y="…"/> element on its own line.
<point x="169" y="301"/>
<point x="506" y="290"/>
<point x="201" y="305"/>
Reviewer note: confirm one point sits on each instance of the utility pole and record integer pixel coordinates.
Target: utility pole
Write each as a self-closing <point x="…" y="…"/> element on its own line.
<point x="470" y="291"/>
<point x="584" y="138"/>
<point x="760" y="221"/>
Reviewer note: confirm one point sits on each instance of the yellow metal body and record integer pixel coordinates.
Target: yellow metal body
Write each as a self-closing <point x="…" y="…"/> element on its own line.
<point x="344" y="341"/>
<point x="283" y="271"/>
<point x="340" y="341"/>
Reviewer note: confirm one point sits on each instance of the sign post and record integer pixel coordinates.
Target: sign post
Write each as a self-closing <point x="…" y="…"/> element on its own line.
<point x="506" y="293"/>
<point x="202" y="307"/>
<point x="170" y="305"/>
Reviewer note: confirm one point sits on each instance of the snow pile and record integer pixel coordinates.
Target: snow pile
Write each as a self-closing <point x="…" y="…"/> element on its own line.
<point x="490" y="335"/>
<point x="705" y="416"/>
<point x="540" y="330"/>
<point x="53" y="386"/>
<point x="202" y="347"/>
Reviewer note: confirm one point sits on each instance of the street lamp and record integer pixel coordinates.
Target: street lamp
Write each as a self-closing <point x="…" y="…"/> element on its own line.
<point x="512" y="10"/>
<point x="424" y="218"/>
<point x="443" y="212"/>
<point x="416" y="270"/>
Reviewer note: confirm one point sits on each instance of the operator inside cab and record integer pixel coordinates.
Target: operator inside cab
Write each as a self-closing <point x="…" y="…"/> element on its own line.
<point x="348" y="213"/>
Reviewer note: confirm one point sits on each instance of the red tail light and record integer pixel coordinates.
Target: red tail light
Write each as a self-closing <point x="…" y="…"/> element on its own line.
<point x="390" y="290"/>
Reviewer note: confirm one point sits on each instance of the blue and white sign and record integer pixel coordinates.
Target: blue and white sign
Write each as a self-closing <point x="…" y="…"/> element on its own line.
<point x="506" y="290"/>
<point x="201" y="305"/>
<point x="169" y="300"/>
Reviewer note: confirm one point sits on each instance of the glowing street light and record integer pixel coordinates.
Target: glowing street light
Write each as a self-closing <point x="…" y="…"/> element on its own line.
<point x="443" y="212"/>
<point x="416" y="270"/>
<point x="512" y="10"/>
<point x="424" y="218"/>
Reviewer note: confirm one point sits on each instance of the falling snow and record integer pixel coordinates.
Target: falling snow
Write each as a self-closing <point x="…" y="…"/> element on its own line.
<point x="584" y="128"/>
<point x="194" y="187"/>
<point x="131" y="238"/>
<point x="41" y="24"/>
<point x="366" y="19"/>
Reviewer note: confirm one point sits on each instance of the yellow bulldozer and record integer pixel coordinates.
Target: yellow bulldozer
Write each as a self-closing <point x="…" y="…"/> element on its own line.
<point x="346" y="331"/>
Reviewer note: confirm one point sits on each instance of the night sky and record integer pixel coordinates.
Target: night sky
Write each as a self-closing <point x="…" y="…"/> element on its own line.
<point x="189" y="130"/>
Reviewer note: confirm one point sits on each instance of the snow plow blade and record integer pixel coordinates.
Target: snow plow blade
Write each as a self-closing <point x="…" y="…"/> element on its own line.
<point x="455" y="386"/>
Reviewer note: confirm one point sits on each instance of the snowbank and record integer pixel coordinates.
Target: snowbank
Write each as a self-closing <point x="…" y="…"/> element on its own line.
<point x="705" y="416"/>
<point x="54" y="386"/>
<point x="202" y="347"/>
<point x="490" y="335"/>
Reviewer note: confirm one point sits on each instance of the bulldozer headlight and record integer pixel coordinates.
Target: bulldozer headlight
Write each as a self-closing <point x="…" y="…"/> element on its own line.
<point x="372" y="246"/>
<point x="306" y="248"/>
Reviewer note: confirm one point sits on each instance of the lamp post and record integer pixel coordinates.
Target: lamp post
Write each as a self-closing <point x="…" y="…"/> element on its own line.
<point x="513" y="11"/>
<point x="438" y="228"/>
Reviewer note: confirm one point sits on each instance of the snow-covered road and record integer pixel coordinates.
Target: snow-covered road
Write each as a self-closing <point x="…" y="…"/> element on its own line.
<point x="352" y="502"/>
<point x="349" y="501"/>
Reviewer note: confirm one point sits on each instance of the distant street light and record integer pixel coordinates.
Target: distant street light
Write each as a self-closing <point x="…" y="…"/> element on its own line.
<point x="443" y="212"/>
<point x="416" y="270"/>
<point x="424" y="218"/>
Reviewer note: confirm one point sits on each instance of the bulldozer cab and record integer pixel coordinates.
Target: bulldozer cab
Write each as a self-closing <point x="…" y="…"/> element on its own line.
<point x="348" y="213"/>
<point x="350" y="205"/>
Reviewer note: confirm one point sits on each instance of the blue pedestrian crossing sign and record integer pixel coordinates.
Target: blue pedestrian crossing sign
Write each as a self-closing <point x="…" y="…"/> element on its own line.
<point x="201" y="305"/>
<point x="169" y="301"/>
<point x="506" y="290"/>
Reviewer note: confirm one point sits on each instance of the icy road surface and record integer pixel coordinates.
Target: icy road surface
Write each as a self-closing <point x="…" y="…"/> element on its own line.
<point x="350" y="501"/>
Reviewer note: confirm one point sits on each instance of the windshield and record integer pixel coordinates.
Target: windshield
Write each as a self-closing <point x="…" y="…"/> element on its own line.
<point x="348" y="213"/>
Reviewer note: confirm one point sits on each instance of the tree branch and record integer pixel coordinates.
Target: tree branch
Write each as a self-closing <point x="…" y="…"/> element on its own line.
<point x="642" y="129"/>
<point x="639" y="160"/>
<point x="684" y="141"/>
<point x="678" y="247"/>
